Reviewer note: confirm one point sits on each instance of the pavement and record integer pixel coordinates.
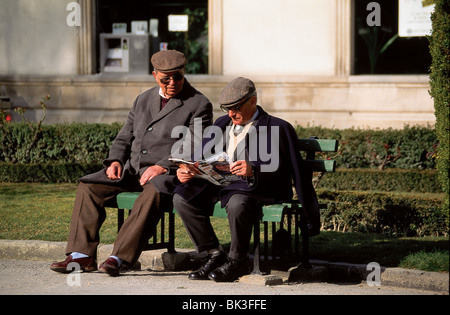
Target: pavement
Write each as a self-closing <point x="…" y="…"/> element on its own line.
<point x="24" y="270"/>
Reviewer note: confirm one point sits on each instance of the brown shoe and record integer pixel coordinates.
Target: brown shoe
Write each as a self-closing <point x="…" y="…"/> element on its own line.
<point x="110" y="266"/>
<point x="87" y="264"/>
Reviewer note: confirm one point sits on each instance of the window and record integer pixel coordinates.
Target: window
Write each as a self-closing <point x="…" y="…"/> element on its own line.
<point x="193" y="43"/>
<point x="379" y="49"/>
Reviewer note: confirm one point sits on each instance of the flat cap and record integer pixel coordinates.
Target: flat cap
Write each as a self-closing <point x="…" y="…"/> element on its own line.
<point x="236" y="91"/>
<point x="168" y="60"/>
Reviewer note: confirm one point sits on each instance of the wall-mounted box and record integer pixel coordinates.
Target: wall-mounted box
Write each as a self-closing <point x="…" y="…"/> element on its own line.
<point x="127" y="53"/>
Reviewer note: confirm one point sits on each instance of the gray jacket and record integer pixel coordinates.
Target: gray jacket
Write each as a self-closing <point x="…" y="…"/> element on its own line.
<point x="145" y="139"/>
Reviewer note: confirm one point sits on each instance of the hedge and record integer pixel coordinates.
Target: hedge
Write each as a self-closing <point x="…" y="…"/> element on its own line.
<point x="412" y="147"/>
<point x="45" y="172"/>
<point x="408" y="148"/>
<point x="421" y="181"/>
<point x="424" y="181"/>
<point x="440" y="87"/>
<point x="63" y="143"/>
<point x="395" y="214"/>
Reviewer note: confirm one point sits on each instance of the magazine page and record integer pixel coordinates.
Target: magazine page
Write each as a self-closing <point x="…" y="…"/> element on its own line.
<point x="215" y="169"/>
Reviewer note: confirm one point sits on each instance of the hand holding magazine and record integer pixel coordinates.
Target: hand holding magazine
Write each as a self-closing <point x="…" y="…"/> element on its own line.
<point x="215" y="169"/>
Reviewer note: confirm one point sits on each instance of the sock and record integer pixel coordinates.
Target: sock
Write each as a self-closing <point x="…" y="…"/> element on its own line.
<point x="76" y="255"/>
<point x="215" y="251"/>
<point x="118" y="259"/>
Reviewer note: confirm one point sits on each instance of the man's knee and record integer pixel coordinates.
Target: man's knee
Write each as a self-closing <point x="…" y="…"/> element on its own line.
<point x="179" y="204"/>
<point x="240" y="205"/>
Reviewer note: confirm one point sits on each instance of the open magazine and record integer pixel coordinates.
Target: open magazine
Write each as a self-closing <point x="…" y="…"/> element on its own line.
<point x="215" y="169"/>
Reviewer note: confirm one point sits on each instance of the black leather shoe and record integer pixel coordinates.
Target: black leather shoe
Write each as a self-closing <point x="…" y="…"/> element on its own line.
<point x="231" y="271"/>
<point x="212" y="263"/>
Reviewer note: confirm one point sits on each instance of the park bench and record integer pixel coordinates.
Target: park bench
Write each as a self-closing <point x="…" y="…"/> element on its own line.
<point x="284" y="220"/>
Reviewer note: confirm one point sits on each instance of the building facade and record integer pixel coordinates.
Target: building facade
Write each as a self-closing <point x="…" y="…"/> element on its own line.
<point x="302" y="55"/>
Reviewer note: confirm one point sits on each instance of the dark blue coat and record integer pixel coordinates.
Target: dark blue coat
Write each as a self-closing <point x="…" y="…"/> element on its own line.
<point x="267" y="187"/>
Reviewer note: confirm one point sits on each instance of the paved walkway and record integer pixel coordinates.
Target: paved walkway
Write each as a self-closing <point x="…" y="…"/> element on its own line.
<point x="24" y="269"/>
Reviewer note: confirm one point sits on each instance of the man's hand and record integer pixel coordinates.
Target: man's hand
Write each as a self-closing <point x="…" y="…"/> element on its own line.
<point x="114" y="171"/>
<point x="241" y="168"/>
<point x="186" y="172"/>
<point x="151" y="172"/>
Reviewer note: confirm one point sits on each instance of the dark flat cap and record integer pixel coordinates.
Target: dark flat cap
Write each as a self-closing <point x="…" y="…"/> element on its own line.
<point x="236" y="91"/>
<point x="168" y="60"/>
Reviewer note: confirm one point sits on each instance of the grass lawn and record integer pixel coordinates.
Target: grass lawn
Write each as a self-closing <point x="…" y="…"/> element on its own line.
<point x="43" y="212"/>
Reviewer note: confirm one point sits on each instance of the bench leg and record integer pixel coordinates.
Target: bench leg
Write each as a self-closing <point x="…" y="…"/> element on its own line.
<point x="256" y="241"/>
<point x="171" y="247"/>
<point x="305" y="256"/>
<point x="120" y="218"/>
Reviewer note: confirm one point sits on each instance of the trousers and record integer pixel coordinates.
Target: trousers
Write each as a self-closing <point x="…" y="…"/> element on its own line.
<point x="242" y="211"/>
<point x="89" y="214"/>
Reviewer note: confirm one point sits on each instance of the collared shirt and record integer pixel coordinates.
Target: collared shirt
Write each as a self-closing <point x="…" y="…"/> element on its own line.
<point x="235" y="138"/>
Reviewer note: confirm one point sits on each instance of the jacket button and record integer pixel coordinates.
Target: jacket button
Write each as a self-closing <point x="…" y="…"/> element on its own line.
<point x="144" y="151"/>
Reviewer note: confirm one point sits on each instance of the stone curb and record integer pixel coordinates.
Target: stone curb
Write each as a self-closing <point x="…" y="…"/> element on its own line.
<point x="356" y="273"/>
<point x="321" y="271"/>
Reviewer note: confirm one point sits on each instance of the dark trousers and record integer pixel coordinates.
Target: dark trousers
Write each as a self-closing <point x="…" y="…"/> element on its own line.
<point x="89" y="214"/>
<point x="243" y="211"/>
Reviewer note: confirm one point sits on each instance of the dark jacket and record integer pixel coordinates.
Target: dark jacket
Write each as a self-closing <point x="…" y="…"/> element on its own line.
<point x="146" y="138"/>
<point x="268" y="187"/>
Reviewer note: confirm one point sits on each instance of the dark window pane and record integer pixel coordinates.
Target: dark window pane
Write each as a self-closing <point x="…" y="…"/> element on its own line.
<point x="404" y="55"/>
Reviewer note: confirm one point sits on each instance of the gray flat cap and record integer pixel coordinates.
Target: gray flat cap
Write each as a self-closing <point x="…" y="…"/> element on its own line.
<point x="236" y="91"/>
<point x="168" y="60"/>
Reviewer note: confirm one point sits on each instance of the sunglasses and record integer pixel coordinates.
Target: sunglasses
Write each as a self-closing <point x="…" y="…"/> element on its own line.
<point x="177" y="77"/>
<point x="236" y="108"/>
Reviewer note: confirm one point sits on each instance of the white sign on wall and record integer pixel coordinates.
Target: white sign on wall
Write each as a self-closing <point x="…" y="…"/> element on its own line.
<point x="178" y="23"/>
<point x="414" y="17"/>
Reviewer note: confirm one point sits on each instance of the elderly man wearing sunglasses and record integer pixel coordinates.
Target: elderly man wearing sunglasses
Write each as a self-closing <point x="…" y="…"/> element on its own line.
<point x="263" y="181"/>
<point x="137" y="161"/>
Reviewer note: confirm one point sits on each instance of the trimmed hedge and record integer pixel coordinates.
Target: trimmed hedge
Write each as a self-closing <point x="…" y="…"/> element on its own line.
<point x="60" y="143"/>
<point x="396" y="214"/>
<point x="440" y="87"/>
<point x="408" y="148"/>
<point x="422" y="181"/>
<point x="45" y="172"/>
<point x="343" y="179"/>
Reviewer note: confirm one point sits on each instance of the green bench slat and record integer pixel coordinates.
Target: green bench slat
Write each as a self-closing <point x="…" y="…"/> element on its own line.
<point x="271" y="213"/>
<point x="126" y="200"/>
<point x="324" y="145"/>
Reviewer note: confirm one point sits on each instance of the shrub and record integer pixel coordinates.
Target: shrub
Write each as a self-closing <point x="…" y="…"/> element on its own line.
<point x="422" y="181"/>
<point x="395" y="214"/>
<point x="63" y="143"/>
<point x="407" y="148"/>
<point x="45" y="172"/>
<point x="440" y="87"/>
